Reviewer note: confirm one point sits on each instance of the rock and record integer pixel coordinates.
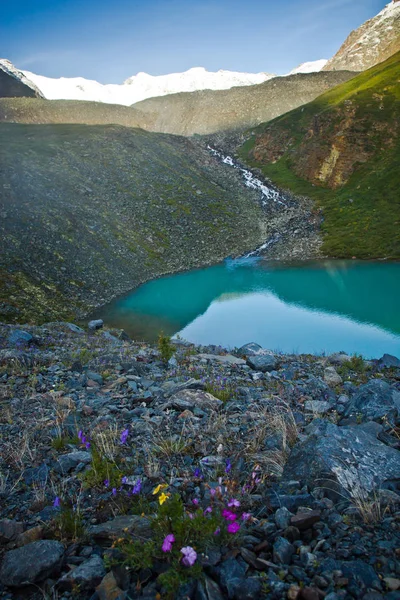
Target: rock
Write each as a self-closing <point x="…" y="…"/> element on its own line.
<point x="223" y="358"/>
<point x="282" y="551"/>
<point x="95" y="324"/>
<point x="251" y="349"/>
<point x="67" y="462"/>
<point x="387" y="361"/>
<point x="10" y="530"/>
<point x="374" y="401"/>
<point x="264" y="363"/>
<point x="305" y="520"/>
<point x="318" y="407"/>
<point x="84" y="577"/>
<point x="190" y="399"/>
<point x="339" y="358"/>
<point x="74" y="328"/>
<point x="37" y="475"/>
<point x="309" y="593"/>
<point x="282" y="517"/>
<point x="392" y="583"/>
<point x="336" y="458"/>
<point x="249" y="589"/>
<point x="30" y="535"/>
<point x="207" y="589"/>
<point x="31" y="563"/>
<point x="20" y="338"/>
<point x="293" y="592"/>
<point x="135" y="525"/>
<point x="231" y="575"/>
<point x="332" y="377"/>
<point x="108" y="589"/>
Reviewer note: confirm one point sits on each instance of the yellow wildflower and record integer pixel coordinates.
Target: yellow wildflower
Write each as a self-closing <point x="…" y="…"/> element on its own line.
<point x="162" y="498"/>
<point x="160" y="487"/>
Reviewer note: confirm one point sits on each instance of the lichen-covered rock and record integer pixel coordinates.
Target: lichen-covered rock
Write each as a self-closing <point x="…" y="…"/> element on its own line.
<point x="374" y="401"/>
<point x="86" y="576"/>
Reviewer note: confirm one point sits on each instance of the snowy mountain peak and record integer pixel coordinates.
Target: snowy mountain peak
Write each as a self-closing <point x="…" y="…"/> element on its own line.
<point x="142" y="86"/>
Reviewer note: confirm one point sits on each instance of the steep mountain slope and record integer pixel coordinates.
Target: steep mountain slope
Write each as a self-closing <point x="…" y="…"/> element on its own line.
<point x="14" y="83"/>
<point x="88" y="212"/>
<point x="142" y="86"/>
<point x="373" y="42"/>
<point x="343" y="150"/>
<point x="240" y="107"/>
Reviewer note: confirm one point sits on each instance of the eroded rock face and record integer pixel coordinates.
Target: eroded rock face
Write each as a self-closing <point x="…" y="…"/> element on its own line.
<point x="14" y="84"/>
<point x="373" y="42"/>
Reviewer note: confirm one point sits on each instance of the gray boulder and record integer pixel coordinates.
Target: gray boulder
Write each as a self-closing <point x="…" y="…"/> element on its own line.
<point x="342" y="458"/>
<point x="264" y="363"/>
<point x="31" y="563"/>
<point x="86" y="576"/>
<point x="19" y="337"/>
<point x="251" y="349"/>
<point x="190" y="399"/>
<point x="134" y="524"/>
<point x="67" y="462"/>
<point x="282" y="551"/>
<point x="332" y="377"/>
<point x="388" y="360"/>
<point x="374" y="401"/>
<point x="95" y="324"/>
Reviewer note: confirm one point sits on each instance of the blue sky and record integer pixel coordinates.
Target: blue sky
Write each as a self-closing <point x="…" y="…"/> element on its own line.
<point x="110" y="41"/>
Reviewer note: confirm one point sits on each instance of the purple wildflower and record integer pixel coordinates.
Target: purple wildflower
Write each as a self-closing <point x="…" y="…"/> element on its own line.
<point x="124" y="479"/>
<point x="167" y="543"/>
<point x="57" y="502"/>
<point x="246" y="516"/>
<point x="233" y="527"/>
<point x="233" y="502"/>
<point x="228" y="466"/>
<point x="137" y="487"/>
<point x="217" y="531"/>
<point x="106" y="482"/>
<point x="212" y="492"/>
<point x="189" y="556"/>
<point x="124" y="436"/>
<point x="195" y="501"/>
<point x="208" y="510"/>
<point x="114" y="491"/>
<point x="197" y="472"/>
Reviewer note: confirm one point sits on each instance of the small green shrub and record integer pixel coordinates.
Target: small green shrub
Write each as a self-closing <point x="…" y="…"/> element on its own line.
<point x="101" y="469"/>
<point x="221" y="390"/>
<point x="165" y="347"/>
<point x="68" y="525"/>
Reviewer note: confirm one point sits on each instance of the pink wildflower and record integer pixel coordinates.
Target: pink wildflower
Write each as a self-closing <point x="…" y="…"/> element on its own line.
<point x="229" y="515"/>
<point x="217" y="531"/>
<point x="167" y="543"/>
<point x="189" y="556"/>
<point x="208" y="510"/>
<point x="246" y="516"/>
<point x="233" y="527"/>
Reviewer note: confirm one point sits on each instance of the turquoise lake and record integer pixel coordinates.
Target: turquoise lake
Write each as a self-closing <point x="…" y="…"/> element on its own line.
<point x="318" y="307"/>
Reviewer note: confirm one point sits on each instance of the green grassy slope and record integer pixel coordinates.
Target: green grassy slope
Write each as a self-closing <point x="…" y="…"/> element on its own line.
<point x="343" y="151"/>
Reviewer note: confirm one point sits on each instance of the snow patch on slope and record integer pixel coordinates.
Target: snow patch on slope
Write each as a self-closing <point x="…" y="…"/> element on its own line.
<point x="313" y="66"/>
<point x="142" y="86"/>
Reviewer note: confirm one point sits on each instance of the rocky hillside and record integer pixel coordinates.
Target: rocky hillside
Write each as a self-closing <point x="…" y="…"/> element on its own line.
<point x="373" y="42"/>
<point x="343" y="151"/>
<point x="89" y="212"/>
<point x="31" y="110"/>
<point x="183" y="114"/>
<point x="14" y="84"/>
<point x="209" y="111"/>
<point x="130" y="472"/>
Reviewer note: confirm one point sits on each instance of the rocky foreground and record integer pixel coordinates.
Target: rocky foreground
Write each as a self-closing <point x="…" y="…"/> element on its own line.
<point x="130" y="471"/>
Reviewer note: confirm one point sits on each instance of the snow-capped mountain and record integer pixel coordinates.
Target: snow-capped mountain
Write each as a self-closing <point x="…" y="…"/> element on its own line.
<point x="313" y="66"/>
<point x="143" y="86"/>
<point x="14" y="83"/>
<point x="373" y="42"/>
